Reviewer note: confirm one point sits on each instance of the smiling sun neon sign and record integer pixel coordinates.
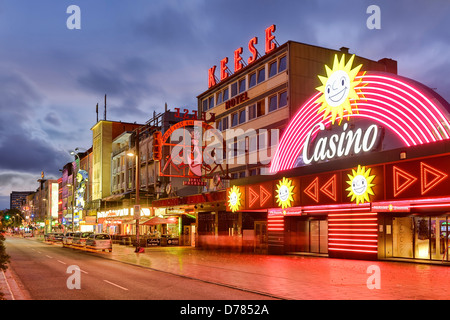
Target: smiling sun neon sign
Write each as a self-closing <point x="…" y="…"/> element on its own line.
<point x="339" y="89"/>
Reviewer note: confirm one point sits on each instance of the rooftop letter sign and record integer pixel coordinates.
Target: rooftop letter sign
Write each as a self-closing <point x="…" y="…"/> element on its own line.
<point x="413" y="113"/>
<point x="239" y="63"/>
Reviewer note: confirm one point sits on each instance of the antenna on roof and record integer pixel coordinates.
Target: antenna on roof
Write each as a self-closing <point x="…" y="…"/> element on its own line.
<point x="105" y="107"/>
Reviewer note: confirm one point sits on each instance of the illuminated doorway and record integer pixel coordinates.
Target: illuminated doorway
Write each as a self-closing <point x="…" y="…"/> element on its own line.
<point x="421" y="237"/>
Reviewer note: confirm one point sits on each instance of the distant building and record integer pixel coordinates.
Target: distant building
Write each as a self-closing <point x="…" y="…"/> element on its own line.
<point x="18" y="198"/>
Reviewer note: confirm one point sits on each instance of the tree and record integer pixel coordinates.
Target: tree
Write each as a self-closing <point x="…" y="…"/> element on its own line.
<point x="4" y="258"/>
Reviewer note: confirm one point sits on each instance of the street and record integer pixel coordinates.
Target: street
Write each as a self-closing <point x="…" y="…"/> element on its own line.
<point x="186" y="273"/>
<point x="42" y="269"/>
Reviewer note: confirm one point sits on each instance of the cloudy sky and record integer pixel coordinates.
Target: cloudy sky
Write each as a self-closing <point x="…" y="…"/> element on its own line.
<point x="145" y="53"/>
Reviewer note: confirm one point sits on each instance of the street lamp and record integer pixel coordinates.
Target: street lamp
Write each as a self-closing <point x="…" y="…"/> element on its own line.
<point x="74" y="153"/>
<point x="137" y="208"/>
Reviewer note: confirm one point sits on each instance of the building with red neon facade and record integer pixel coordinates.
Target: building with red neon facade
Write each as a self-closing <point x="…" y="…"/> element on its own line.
<point x="360" y="170"/>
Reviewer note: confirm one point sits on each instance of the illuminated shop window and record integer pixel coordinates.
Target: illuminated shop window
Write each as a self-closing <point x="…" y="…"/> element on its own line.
<point x="252" y="80"/>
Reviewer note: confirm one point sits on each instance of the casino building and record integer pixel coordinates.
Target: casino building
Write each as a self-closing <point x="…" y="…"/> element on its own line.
<point x="361" y="166"/>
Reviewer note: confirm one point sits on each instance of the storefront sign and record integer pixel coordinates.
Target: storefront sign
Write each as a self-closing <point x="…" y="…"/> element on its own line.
<point x="270" y="45"/>
<point x="360" y="182"/>
<point x="408" y="112"/>
<point x="284" y="193"/>
<point x="236" y="100"/>
<point x="234" y="198"/>
<point x="390" y="207"/>
<point x="349" y="141"/>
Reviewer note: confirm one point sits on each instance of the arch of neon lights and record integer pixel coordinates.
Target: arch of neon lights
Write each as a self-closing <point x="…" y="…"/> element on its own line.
<point x="410" y="112"/>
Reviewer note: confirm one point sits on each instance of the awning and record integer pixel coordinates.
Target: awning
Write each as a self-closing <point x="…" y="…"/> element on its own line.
<point x="157" y="220"/>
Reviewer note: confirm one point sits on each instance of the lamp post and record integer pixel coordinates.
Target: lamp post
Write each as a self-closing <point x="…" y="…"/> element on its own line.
<point x="74" y="153"/>
<point x="137" y="208"/>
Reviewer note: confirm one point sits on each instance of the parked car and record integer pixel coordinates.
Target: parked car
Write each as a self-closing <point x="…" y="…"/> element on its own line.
<point x="49" y="236"/>
<point x="99" y="241"/>
<point x="79" y="238"/>
<point x="28" y="234"/>
<point x="67" y="239"/>
<point x="57" y="237"/>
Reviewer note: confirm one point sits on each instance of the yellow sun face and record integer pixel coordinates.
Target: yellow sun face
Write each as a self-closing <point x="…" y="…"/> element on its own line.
<point x="360" y="185"/>
<point x="284" y="193"/>
<point x="234" y="198"/>
<point x="339" y="89"/>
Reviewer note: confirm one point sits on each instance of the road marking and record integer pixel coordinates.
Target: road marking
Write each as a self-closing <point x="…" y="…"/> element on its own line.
<point x="49" y="256"/>
<point x="83" y="271"/>
<point x="61" y="261"/>
<point x="112" y="283"/>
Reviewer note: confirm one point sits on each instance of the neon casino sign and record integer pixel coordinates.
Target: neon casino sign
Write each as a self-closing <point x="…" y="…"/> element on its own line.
<point x="406" y="109"/>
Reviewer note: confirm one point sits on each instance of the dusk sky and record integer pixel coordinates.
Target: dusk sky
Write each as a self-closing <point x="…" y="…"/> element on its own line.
<point x="145" y="53"/>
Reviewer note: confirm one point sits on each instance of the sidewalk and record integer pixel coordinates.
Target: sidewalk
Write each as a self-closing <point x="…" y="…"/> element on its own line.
<point x="295" y="277"/>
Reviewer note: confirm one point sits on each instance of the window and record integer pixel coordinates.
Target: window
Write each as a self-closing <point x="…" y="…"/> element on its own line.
<point x="273" y="69"/>
<point x="241" y="85"/>
<point x="282" y="99"/>
<point x="252" y="112"/>
<point x="225" y="95"/>
<point x="219" y="125"/>
<point x="242" y="174"/>
<point x="260" y="108"/>
<point x="254" y="172"/>
<point x="253" y="143"/>
<point x="205" y="104"/>
<point x="252" y="80"/>
<point x="282" y="64"/>
<point x="234" y="119"/>
<point x="242" y="116"/>
<point x="261" y="75"/>
<point x="273" y="103"/>
<point x="225" y="123"/>
<point x="219" y="98"/>
<point x="211" y="102"/>
<point x="262" y="140"/>
<point x="234" y="89"/>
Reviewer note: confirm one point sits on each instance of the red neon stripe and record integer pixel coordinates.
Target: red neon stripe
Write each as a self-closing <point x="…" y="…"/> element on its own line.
<point x="352" y="214"/>
<point x="354" y="240"/>
<point x="352" y="234"/>
<point x="353" y="250"/>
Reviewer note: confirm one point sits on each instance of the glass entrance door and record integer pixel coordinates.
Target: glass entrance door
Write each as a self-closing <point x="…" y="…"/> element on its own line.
<point x="439" y="234"/>
<point x="422" y="237"/>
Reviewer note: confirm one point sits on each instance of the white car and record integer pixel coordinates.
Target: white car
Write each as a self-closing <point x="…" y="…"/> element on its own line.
<point x="99" y="241"/>
<point x="67" y="239"/>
